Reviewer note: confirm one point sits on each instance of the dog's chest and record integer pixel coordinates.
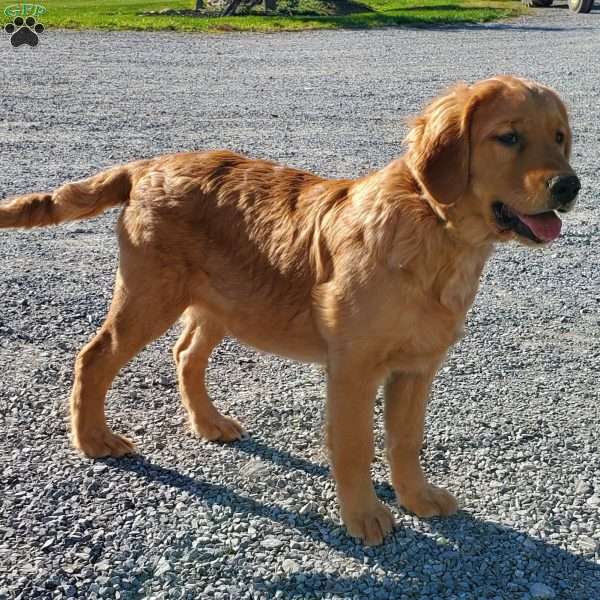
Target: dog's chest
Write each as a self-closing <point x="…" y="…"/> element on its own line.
<point x="458" y="291"/>
<point x="431" y="318"/>
<point x="427" y="328"/>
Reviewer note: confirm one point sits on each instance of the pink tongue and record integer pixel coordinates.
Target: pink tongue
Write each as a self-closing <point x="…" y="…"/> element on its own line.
<point x="545" y="227"/>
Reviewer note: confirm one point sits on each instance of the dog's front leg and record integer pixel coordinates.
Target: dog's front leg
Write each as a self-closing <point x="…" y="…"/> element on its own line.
<point x="406" y="398"/>
<point x="350" y="401"/>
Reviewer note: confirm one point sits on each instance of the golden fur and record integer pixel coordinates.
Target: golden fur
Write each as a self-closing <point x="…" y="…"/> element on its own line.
<point x="371" y="277"/>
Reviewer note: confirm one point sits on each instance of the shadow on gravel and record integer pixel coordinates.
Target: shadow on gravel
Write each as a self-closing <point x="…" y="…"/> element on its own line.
<point x="517" y="27"/>
<point x="459" y="553"/>
<point x="282" y="458"/>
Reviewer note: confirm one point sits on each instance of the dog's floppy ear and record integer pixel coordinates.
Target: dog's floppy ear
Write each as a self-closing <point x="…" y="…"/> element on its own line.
<point x="438" y="141"/>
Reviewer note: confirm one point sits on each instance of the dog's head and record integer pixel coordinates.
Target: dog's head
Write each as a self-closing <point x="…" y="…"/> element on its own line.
<point x="493" y="160"/>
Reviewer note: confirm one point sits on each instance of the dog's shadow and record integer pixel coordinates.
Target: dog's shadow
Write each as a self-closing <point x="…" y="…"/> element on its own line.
<point x="502" y="561"/>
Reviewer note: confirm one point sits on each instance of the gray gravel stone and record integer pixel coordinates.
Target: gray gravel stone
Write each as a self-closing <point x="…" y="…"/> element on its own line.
<point x="588" y="543"/>
<point x="272" y="543"/>
<point x="162" y="568"/>
<point x="290" y="566"/>
<point x="541" y="590"/>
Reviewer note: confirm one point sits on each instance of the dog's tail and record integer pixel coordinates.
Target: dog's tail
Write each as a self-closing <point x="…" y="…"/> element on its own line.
<point x="72" y="201"/>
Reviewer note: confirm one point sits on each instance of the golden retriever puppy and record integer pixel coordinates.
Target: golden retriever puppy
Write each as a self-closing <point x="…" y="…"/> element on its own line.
<point x="370" y="277"/>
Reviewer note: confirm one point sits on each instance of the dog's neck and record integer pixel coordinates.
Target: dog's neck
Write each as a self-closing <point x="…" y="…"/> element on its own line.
<point x="397" y="188"/>
<point x="422" y="243"/>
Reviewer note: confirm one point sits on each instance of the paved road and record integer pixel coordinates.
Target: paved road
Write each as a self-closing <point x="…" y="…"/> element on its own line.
<point x="514" y="423"/>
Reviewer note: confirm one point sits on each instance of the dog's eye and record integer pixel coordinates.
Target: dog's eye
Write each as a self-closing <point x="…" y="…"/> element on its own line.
<point x="509" y="139"/>
<point x="560" y="137"/>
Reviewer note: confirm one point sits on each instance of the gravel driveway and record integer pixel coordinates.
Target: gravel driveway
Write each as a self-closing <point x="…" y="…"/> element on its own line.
<point x="513" y="428"/>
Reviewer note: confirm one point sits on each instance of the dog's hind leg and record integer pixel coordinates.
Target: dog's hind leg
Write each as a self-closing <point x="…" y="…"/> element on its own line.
<point x="142" y="309"/>
<point x="191" y="353"/>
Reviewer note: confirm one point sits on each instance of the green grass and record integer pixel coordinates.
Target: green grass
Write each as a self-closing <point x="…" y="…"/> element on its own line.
<point x="313" y="14"/>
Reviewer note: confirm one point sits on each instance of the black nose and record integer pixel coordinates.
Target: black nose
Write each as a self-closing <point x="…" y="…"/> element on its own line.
<point x="564" y="188"/>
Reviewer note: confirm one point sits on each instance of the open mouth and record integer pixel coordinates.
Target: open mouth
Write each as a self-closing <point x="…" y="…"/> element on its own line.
<point x="541" y="228"/>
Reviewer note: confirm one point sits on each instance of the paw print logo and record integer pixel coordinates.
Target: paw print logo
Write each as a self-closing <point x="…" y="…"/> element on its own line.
<point x="24" y="31"/>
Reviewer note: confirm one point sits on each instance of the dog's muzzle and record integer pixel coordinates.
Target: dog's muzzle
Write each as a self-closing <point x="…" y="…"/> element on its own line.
<point x="563" y="191"/>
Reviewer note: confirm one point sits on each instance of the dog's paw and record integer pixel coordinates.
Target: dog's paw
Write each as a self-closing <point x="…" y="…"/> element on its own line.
<point x="103" y="442"/>
<point x="429" y="501"/>
<point x="218" y="429"/>
<point x="369" y="524"/>
<point x="24" y="31"/>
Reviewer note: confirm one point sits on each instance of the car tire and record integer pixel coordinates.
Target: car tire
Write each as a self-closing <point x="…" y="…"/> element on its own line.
<point x="581" y="6"/>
